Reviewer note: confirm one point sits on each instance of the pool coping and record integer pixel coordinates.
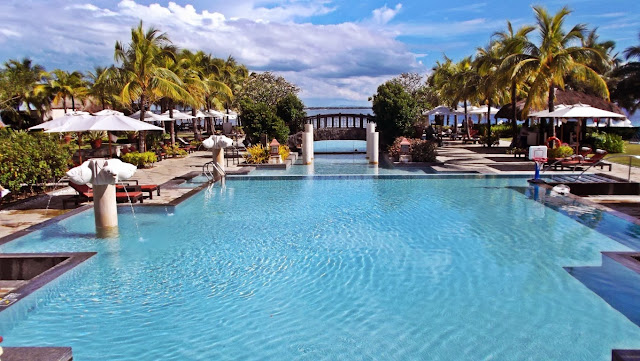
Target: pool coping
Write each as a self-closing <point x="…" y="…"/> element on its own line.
<point x="73" y="260"/>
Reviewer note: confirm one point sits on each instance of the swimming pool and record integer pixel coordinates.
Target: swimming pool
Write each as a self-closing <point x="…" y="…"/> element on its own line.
<point x="463" y="268"/>
<point x="342" y="164"/>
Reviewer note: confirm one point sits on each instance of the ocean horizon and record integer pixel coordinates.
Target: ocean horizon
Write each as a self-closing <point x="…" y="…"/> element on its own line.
<point x="311" y="111"/>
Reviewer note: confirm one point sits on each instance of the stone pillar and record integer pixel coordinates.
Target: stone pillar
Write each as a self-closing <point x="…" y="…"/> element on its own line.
<point x="371" y="128"/>
<point x="106" y="210"/>
<point x="367" y="136"/>
<point x="308" y="128"/>
<point x="218" y="156"/>
<point x="307" y="147"/>
<point x="374" y="148"/>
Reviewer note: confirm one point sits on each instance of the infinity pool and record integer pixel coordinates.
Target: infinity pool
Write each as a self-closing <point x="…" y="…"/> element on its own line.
<point x="330" y="268"/>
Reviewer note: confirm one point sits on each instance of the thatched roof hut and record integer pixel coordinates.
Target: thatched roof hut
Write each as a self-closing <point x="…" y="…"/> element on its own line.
<point x="566" y="97"/>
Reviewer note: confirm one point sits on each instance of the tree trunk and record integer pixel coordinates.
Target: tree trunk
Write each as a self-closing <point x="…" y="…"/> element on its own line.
<point x="552" y="95"/>
<point x="173" y="124"/>
<point x="514" y="124"/>
<point x="141" y="134"/>
<point x="490" y="139"/>
<point x="195" y="123"/>
<point x="64" y="104"/>
<point x="73" y="104"/>
<point x="466" y="123"/>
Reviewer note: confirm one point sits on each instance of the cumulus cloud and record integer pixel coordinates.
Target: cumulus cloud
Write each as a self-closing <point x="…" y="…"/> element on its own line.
<point x="383" y="15"/>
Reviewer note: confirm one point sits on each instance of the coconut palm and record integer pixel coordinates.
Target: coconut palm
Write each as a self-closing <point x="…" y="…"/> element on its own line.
<point x="144" y="77"/>
<point x="626" y="81"/>
<point x="20" y="79"/>
<point x="465" y="82"/>
<point x="441" y="80"/>
<point x="512" y="43"/>
<point x="62" y="85"/>
<point x="490" y="80"/>
<point x="103" y="85"/>
<point x="555" y="58"/>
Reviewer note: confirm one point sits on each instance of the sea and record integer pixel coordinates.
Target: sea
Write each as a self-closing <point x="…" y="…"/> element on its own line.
<point x="635" y="119"/>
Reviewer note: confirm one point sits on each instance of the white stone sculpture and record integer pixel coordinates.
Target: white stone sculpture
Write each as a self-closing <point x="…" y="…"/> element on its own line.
<point x="103" y="174"/>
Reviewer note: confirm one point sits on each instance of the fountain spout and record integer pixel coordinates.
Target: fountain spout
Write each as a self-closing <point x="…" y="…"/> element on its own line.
<point x="103" y="174"/>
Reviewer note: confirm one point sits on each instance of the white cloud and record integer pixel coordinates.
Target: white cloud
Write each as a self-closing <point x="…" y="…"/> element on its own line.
<point x="346" y="60"/>
<point x="383" y="15"/>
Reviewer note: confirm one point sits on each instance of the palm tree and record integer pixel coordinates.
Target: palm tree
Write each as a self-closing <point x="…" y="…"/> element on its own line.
<point x="441" y="80"/>
<point x="465" y="82"/>
<point x="512" y="43"/>
<point x="554" y="59"/>
<point x="487" y="63"/>
<point x="20" y="80"/>
<point x="62" y="85"/>
<point x="144" y="77"/>
<point x="103" y="85"/>
<point x="626" y="81"/>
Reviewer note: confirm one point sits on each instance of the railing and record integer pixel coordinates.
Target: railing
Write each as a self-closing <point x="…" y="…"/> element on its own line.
<point x="209" y="168"/>
<point x="600" y="162"/>
<point x="339" y="120"/>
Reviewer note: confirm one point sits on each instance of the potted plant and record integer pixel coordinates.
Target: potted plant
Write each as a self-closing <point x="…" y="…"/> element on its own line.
<point x="95" y="138"/>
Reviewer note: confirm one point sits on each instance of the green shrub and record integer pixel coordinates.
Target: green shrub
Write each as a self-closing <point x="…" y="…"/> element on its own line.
<point x="141" y="160"/>
<point x="175" y="151"/>
<point x="423" y="150"/>
<point x="420" y="150"/>
<point x="504" y="130"/>
<point x="612" y="143"/>
<point x="257" y="154"/>
<point x="31" y="158"/>
<point x="562" y="151"/>
<point x="489" y="140"/>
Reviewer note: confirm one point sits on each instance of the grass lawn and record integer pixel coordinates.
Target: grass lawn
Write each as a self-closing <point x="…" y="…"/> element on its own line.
<point x="629" y="149"/>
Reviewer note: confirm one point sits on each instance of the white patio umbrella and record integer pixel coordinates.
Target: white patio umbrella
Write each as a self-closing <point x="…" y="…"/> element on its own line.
<point x="151" y="117"/>
<point x="440" y="110"/>
<point x="214" y="114"/>
<point x="545" y="113"/>
<point x="108" y="112"/>
<point x="108" y="123"/>
<point x="482" y="110"/>
<point x="179" y="115"/>
<point x="59" y="121"/>
<point x="583" y="111"/>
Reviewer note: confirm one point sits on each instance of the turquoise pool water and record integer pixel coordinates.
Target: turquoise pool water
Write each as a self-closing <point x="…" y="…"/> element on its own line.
<point x="326" y="269"/>
<point x="341" y="164"/>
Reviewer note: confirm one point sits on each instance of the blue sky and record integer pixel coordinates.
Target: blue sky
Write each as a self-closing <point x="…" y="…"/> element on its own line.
<point x="337" y="52"/>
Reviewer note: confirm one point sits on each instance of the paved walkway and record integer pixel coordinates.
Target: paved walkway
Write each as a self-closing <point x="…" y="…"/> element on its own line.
<point x="455" y="156"/>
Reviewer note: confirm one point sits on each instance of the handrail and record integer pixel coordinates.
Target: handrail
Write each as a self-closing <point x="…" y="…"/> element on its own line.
<point x="599" y="162"/>
<point x="208" y="172"/>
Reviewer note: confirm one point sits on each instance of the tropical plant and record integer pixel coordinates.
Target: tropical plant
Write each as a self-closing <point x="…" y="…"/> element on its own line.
<point x="141" y="160"/>
<point x="260" y="119"/>
<point x="284" y="152"/>
<point x="626" y="91"/>
<point x="265" y="88"/>
<point x="30" y="159"/>
<point x="257" y="154"/>
<point x="395" y="110"/>
<point x="143" y="72"/>
<point x="18" y="82"/>
<point x="513" y="43"/>
<point x="554" y="59"/>
<point x="291" y="110"/>
<point x="420" y="150"/>
<point x="562" y="151"/>
<point x="62" y="85"/>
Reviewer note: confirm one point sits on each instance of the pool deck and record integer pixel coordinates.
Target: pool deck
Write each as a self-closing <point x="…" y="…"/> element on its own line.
<point x="455" y="156"/>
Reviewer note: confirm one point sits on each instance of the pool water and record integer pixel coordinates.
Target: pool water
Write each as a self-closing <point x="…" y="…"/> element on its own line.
<point x="326" y="269"/>
<point x="341" y="164"/>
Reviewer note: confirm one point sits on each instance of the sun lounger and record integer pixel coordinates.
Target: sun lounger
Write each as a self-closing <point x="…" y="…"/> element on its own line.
<point x="473" y="137"/>
<point x="580" y="161"/>
<point x="85" y="194"/>
<point x="145" y="188"/>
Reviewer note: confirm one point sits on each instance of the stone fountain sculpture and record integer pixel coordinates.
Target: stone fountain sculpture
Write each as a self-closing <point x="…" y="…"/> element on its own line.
<point x="217" y="143"/>
<point x="103" y="174"/>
